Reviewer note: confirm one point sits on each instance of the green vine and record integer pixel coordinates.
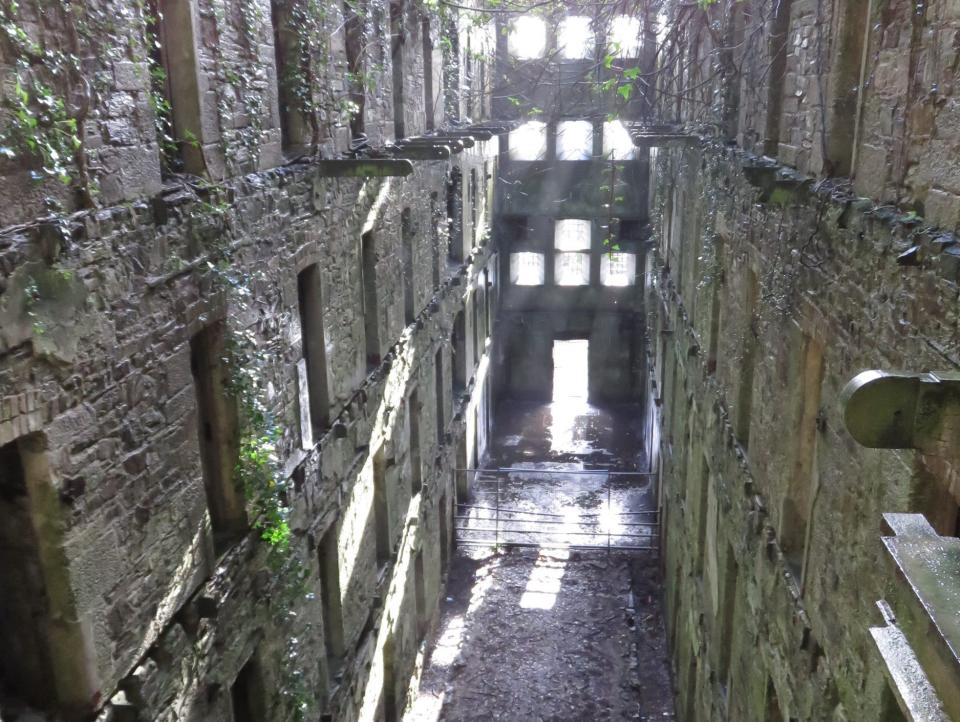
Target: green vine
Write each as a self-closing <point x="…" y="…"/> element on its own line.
<point x="39" y="127"/>
<point x="259" y="472"/>
<point x="240" y="90"/>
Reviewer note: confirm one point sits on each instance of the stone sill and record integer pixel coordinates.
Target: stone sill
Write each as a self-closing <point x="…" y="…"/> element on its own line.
<point x="915" y="695"/>
<point x="928" y="572"/>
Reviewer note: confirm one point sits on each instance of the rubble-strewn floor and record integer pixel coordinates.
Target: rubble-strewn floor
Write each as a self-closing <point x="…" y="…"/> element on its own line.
<point x="553" y="635"/>
<point x="546" y="637"/>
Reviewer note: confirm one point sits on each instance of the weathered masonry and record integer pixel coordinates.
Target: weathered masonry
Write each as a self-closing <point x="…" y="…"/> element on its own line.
<point x="267" y="265"/>
<point x="803" y="236"/>
<point x="228" y="416"/>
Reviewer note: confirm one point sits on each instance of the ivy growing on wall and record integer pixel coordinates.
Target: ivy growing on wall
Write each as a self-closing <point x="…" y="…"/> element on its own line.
<point x="40" y="128"/>
<point x="259" y="472"/>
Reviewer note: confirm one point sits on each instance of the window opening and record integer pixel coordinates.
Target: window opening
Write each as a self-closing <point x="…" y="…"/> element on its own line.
<point x="572" y="269"/>
<point x="391" y="704"/>
<point x="41" y="647"/>
<point x="439" y="394"/>
<point x="527" y="38"/>
<point x="702" y="515"/>
<point x="617" y="143"/>
<point x="353" y="31"/>
<point x="416" y="471"/>
<point x="727" y="617"/>
<point x="381" y="509"/>
<point x="575" y="38"/>
<point x="443" y="523"/>
<point x="526" y="269"/>
<point x="625" y="38"/>
<point x="455" y="215"/>
<point x="397" y="37"/>
<point x="529" y="141"/>
<point x="571" y="234"/>
<point x="331" y="610"/>
<point x="468" y="75"/>
<point x="160" y="82"/>
<point x="314" y="345"/>
<point x="618" y="269"/>
<point x="294" y="132"/>
<point x="744" y="405"/>
<point x="247" y="694"/>
<point x="473" y="205"/>
<point x="428" y="80"/>
<point x="435" y="238"/>
<point x="370" y="307"/>
<point x="420" y="595"/>
<point x="406" y="237"/>
<point x="217" y="429"/>
<point x="778" y="42"/>
<point x="574" y="140"/>
<point x="796" y="505"/>
<point x="477" y="330"/>
<point x="459" y="346"/>
<point x="487" y="320"/>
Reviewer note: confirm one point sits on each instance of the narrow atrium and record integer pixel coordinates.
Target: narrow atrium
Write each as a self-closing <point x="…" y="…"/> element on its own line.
<point x="457" y="361"/>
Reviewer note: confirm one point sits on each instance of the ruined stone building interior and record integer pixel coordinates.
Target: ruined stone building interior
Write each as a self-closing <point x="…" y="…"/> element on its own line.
<point x="420" y="360"/>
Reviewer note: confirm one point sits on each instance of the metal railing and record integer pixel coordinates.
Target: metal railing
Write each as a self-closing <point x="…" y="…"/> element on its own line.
<point x="495" y="515"/>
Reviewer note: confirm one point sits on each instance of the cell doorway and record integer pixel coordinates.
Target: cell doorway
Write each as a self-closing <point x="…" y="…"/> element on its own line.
<point x="571" y="371"/>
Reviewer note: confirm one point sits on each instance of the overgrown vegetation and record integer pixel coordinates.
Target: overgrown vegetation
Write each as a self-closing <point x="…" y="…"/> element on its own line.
<point x="39" y="125"/>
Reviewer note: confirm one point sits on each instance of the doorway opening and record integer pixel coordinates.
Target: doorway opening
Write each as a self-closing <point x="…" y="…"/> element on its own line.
<point x="571" y="370"/>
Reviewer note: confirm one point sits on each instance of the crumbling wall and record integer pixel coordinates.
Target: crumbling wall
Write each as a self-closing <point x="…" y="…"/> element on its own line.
<point x="771" y="512"/>
<point x="98" y="312"/>
<point x="774" y="284"/>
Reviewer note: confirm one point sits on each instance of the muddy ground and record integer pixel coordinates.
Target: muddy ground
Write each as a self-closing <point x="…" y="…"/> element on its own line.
<point x="528" y="635"/>
<point x="553" y="634"/>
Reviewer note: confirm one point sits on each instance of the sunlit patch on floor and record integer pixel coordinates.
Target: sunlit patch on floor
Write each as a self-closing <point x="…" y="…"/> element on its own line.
<point x="544" y="583"/>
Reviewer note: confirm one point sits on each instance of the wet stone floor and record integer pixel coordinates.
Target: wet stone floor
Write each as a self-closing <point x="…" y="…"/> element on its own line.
<point x="541" y="630"/>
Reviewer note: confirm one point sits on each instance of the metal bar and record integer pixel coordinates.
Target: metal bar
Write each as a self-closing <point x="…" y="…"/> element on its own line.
<point x="497" y="530"/>
<point x="489" y="542"/>
<point x="478" y="480"/>
<point x="511" y="470"/>
<point x="581" y="522"/>
<point x="562" y="523"/>
<point x="544" y="532"/>
<point x="498" y="513"/>
<point x="467" y="521"/>
<point x="619" y="514"/>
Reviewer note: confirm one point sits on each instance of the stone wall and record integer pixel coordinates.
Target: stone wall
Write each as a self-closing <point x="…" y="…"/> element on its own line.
<point x="152" y="617"/>
<point x="774" y="285"/>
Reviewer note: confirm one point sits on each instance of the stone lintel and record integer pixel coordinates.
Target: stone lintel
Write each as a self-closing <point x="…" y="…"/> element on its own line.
<point x="423" y="152"/>
<point x="363" y="168"/>
<point x="456" y="145"/>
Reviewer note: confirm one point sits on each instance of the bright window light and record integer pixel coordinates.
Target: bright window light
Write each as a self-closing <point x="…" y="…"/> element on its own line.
<point x="571" y="234"/>
<point x="528" y="38"/>
<point x="574" y="140"/>
<point x="526" y="269"/>
<point x="617" y="143"/>
<point x="571" y="372"/>
<point x="529" y="141"/>
<point x="572" y="269"/>
<point x="625" y="39"/>
<point x="575" y="38"/>
<point x="618" y="269"/>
